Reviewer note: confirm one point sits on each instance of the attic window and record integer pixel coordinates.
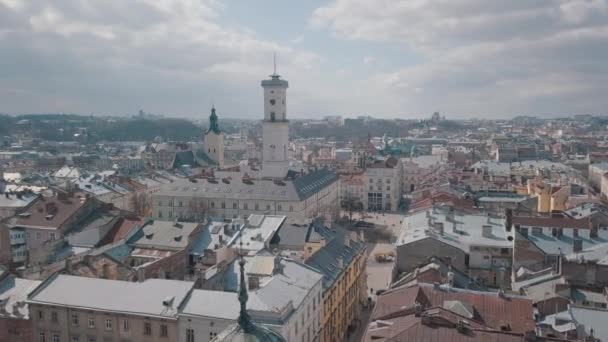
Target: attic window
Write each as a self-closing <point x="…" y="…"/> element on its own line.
<point x="178" y="238"/>
<point x="149" y="236"/>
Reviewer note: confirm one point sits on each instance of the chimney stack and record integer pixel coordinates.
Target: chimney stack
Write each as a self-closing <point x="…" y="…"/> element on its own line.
<point x="577" y="245"/>
<point x="439" y="228"/>
<point x="486" y="231"/>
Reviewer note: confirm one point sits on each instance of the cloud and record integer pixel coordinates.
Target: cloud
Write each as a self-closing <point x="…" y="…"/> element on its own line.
<point x="114" y="57"/>
<point x="369" y="60"/>
<point x="485" y="57"/>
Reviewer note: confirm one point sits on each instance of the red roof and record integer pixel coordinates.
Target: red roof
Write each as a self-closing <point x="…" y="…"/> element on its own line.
<point x="491" y="310"/>
<point x="120" y="230"/>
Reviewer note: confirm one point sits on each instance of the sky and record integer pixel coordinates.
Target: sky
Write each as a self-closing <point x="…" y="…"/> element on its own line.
<point x="384" y="58"/>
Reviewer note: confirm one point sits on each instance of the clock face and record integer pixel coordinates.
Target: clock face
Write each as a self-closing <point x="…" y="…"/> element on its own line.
<point x="272" y="101"/>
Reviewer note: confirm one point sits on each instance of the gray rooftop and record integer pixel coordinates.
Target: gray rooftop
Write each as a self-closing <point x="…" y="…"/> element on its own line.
<point x="461" y="231"/>
<point x="213" y="304"/>
<point x="263" y="189"/>
<point x="164" y="235"/>
<point x="137" y="298"/>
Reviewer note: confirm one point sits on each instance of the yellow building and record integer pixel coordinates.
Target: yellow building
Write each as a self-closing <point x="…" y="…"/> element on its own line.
<point x="340" y="256"/>
<point x="550" y="196"/>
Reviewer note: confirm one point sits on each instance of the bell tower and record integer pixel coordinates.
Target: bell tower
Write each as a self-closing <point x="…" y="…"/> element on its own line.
<point x="275" y="163"/>
<point x="214" y="140"/>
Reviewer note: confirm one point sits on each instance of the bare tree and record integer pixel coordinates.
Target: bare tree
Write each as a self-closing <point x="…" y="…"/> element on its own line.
<point x="351" y="205"/>
<point x="141" y="203"/>
<point x="197" y="209"/>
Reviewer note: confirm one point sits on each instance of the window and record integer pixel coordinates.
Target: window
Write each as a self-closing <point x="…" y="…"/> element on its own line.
<point x="41" y="315"/>
<point x="160" y="203"/>
<point x="56" y="338"/>
<point x="189" y="335"/>
<point x="170" y="214"/>
<point x="75" y="338"/>
<point x="74" y="319"/>
<point x="54" y="317"/>
<point x="108" y="324"/>
<point x="212" y="204"/>
<point x="92" y="339"/>
<point x="223" y="205"/>
<point x="179" y="204"/>
<point x="267" y="206"/>
<point x="257" y="206"/>
<point x="38" y="235"/>
<point x="279" y="207"/>
<point x="245" y="206"/>
<point x="164" y="331"/>
<point x="160" y="214"/>
<point x="235" y="205"/>
<point x="41" y="337"/>
<point x="291" y="208"/>
<point x="272" y="116"/>
<point x="212" y="335"/>
<point x="52" y="236"/>
<point x="125" y="325"/>
<point x="147" y="328"/>
<point x="91" y="322"/>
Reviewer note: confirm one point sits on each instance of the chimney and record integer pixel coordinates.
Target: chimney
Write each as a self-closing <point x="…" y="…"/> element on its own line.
<point x="508" y="219"/>
<point x="278" y="268"/>
<point x="253" y="282"/>
<point x="16" y="311"/>
<point x="577" y="245"/>
<point x="486" y="231"/>
<point x="141" y="274"/>
<point x="439" y="228"/>
<point x="68" y="265"/>
<point x="593" y="230"/>
<point x="347" y="240"/>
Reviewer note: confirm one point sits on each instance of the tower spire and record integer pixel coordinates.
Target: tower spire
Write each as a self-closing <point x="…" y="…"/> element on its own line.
<point x="244" y="319"/>
<point x="274" y="75"/>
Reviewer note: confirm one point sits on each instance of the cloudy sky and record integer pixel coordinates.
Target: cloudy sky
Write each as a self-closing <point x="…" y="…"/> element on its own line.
<point x="386" y="58"/>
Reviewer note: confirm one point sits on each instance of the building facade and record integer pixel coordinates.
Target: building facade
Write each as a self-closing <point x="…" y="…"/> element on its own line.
<point x="341" y="257"/>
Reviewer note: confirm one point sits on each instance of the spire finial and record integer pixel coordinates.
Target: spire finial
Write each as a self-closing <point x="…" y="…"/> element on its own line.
<point x="244" y="320"/>
<point x="274" y="75"/>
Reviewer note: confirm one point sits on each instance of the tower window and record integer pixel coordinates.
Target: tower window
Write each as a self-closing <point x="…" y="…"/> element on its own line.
<point x="272" y="101"/>
<point x="272" y="116"/>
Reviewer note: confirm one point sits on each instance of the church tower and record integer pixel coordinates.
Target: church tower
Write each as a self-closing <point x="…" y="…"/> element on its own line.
<point x="214" y="140"/>
<point x="275" y="127"/>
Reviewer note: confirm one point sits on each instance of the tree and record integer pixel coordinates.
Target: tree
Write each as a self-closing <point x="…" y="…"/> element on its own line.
<point x="351" y="205"/>
<point x="141" y="203"/>
<point x="197" y="209"/>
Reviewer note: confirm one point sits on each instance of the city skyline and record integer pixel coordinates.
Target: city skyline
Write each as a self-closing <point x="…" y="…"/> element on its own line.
<point x="345" y="57"/>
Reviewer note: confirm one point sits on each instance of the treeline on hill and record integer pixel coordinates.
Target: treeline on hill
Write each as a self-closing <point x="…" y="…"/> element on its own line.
<point x="357" y="128"/>
<point x="68" y="127"/>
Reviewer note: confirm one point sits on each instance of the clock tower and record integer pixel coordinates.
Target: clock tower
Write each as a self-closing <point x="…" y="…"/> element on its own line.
<point x="275" y="127"/>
